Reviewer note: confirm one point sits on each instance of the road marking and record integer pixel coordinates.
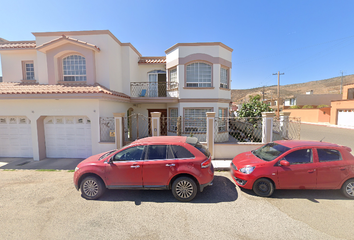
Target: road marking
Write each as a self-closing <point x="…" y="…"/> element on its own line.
<point x="3" y="164"/>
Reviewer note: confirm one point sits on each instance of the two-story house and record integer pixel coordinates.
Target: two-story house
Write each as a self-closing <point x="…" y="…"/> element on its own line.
<point x="58" y="87"/>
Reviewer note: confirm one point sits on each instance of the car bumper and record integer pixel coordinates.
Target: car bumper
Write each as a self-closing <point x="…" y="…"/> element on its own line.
<point x="241" y="179"/>
<point x="205" y="185"/>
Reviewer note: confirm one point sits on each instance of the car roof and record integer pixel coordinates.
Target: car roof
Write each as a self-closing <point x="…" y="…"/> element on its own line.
<point x="161" y="139"/>
<point x="305" y="143"/>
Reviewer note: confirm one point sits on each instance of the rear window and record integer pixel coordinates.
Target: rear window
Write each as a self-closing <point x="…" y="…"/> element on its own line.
<point x="181" y="152"/>
<point x="327" y="155"/>
<point x="195" y="143"/>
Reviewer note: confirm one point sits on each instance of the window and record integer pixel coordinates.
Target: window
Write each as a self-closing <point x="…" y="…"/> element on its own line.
<point x="74" y="68"/>
<point x="299" y="156"/>
<point x="173" y="78"/>
<point x="28" y="70"/>
<point x="156" y="152"/>
<point x="130" y="154"/>
<point x="222" y="121"/>
<point x="181" y="152"/>
<point x="198" y="75"/>
<point x="326" y="155"/>
<point x="195" y="120"/>
<point x="173" y="119"/>
<point x="224" y="79"/>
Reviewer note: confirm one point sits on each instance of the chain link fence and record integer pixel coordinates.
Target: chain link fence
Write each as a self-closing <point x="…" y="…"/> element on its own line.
<point x="107" y="129"/>
<point x="286" y="130"/>
<point x="239" y="129"/>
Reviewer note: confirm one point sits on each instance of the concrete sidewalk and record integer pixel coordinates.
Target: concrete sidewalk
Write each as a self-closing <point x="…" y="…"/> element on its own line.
<point x="71" y="163"/>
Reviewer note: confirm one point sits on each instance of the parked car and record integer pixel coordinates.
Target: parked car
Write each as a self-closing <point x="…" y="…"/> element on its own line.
<point x="179" y="163"/>
<point x="294" y="164"/>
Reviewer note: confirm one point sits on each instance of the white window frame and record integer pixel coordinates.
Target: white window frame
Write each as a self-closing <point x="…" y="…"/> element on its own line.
<point x="28" y="71"/>
<point x="173" y="115"/>
<point x="173" y="78"/>
<point x="75" y="71"/>
<point x="224" y="78"/>
<point x="196" y="77"/>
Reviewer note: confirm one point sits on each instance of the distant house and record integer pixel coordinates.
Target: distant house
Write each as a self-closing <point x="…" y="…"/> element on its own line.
<point x="312" y="99"/>
<point x="342" y="111"/>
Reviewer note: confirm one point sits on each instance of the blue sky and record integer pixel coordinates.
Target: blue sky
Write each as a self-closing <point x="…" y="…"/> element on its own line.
<point x="307" y="40"/>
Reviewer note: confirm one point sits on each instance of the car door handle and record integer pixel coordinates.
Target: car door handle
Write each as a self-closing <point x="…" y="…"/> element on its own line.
<point x="311" y="171"/>
<point x="342" y="168"/>
<point x="170" y="165"/>
<point x="135" y="166"/>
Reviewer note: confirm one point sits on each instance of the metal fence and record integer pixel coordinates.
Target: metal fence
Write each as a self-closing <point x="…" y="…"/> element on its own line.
<point x="237" y="129"/>
<point x="107" y="129"/>
<point x="136" y="126"/>
<point x="179" y="126"/>
<point x="150" y="89"/>
<point x="289" y="130"/>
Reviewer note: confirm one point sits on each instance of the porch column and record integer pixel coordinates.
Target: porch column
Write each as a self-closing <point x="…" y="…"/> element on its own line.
<point x="284" y="124"/>
<point x="155" y="123"/>
<point x="267" y="127"/>
<point x="119" y="129"/>
<point x="210" y="132"/>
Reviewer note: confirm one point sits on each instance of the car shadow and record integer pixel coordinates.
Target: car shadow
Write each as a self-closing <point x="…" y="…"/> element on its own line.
<point x="309" y="194"/>
<point x="222" y="190"/>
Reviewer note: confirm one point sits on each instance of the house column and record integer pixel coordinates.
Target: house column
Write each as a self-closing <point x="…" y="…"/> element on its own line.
<point x="284" y="124"/>
<point x="267" y="127"/>
<point x="210" y="132"/>
<point x="155" y="123"/>
<point x="119" y="129"/>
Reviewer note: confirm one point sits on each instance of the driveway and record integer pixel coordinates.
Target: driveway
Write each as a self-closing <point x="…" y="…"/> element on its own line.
<point x="45" y="205"/>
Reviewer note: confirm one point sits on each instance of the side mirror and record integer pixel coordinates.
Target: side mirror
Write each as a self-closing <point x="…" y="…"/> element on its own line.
<point x="284" y="163"/>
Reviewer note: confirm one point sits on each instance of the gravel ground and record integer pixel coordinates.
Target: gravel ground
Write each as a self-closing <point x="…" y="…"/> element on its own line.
<point x="45" y="205"/>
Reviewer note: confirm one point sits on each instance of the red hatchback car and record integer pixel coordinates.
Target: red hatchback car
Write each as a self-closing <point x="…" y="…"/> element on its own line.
<point x="178" y="163"/>
<point x="292" y="164"/>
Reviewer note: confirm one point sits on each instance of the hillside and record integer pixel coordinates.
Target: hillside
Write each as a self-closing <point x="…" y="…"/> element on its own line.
<point x="331" y="85"/>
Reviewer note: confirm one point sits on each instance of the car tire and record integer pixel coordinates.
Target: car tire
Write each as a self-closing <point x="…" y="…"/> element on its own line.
<point x="92" y="188"/>
<point x="348" y="188"/>
<point x="184" y="189"/>
<point x="263" y="187"/>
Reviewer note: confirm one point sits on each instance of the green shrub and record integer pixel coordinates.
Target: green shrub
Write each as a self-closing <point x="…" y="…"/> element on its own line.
<point x="307" y="106"/>
<point x="322" y="106"/>
<point x="295" y="107"/>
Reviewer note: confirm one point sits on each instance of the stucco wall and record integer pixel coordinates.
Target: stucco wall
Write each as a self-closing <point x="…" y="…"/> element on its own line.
<point x="11" y="63"/>
<point x="345" y="90"/>
<point x="229" y="151"/>
<point x="311" y="115"/>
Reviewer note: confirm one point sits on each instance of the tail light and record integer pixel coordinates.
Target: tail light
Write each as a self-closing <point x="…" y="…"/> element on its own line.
<point x="206" y="163"/>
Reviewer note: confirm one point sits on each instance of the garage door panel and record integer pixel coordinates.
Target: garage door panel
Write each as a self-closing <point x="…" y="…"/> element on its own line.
<point x="67" y="137"/>
<point x="346" y="118"/>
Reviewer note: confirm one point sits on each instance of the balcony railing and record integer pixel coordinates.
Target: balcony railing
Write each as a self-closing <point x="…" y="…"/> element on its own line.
<point x="148" y="89"/>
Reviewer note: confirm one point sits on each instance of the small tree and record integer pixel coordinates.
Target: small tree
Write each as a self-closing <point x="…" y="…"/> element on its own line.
<point x="254" y="107"/>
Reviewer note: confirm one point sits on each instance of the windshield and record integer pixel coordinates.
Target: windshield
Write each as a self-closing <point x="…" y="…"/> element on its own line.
<point x="270" y="151"/>
<point x="106" y="154"/>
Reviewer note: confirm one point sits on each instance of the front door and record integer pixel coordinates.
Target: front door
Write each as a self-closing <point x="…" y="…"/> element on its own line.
<point x="301" y="174"/>
<point x="126" y="168"/>
<point x="163" y="121"/>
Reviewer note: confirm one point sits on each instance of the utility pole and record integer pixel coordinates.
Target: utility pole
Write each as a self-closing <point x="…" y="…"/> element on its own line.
<point x="278" y="102"/>
<point x="341" y="84"/>
<point x="263" y="93"/>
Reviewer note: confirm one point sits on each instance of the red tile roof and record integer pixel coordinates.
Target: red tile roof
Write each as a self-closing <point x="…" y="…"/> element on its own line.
<point x="150" y="60"/>
<point x="18" y="45"/>
<point x="23" y="88"/>
<point x="67" y="38"/>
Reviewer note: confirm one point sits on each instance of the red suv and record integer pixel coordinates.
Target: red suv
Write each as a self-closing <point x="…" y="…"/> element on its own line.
<point x="169" y="162"/>
<point x="295" y="164"/>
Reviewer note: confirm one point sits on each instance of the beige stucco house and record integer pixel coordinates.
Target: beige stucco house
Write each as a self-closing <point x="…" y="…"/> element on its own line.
<point x="57" y="89"/>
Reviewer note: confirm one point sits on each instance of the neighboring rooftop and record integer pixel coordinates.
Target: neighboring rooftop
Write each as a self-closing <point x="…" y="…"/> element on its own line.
<point x="150" y="60"/>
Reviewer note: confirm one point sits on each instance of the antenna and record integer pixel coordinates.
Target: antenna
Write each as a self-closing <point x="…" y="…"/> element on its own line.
<point x="322" y="139"/>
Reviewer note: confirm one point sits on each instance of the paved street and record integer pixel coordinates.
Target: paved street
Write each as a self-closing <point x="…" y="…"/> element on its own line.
<point x="340" y="136"/>
<point x="45" y="205"/>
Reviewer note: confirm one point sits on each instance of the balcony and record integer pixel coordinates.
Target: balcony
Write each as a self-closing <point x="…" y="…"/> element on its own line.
<point x="153" y="92"/>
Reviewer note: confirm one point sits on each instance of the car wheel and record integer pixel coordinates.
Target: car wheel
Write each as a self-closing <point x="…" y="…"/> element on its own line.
<point x="263" y="187"/>
<point x="92" y="188"/>
<point x="348" y="188"/>
<point x="184" y="189"/>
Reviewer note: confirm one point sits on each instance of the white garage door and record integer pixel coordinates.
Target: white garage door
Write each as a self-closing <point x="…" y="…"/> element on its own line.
<point x="346" y="118"/>
<point x="15" y="137"/>
<point x="68" y="137"/>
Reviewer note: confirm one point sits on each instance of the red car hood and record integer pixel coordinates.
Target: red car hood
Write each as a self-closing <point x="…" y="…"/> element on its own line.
<point x="91" y="159"/>
<point x="247" y="158"/>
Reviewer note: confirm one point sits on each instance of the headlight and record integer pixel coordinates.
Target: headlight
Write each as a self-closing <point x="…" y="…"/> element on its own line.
<point x="247" y="169"/>
<point x="76" y="169"/>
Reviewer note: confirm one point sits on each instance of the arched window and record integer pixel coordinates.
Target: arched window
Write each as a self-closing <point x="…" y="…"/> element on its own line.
<point x="74" y="68"/>
<point x="198" y="75"/>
